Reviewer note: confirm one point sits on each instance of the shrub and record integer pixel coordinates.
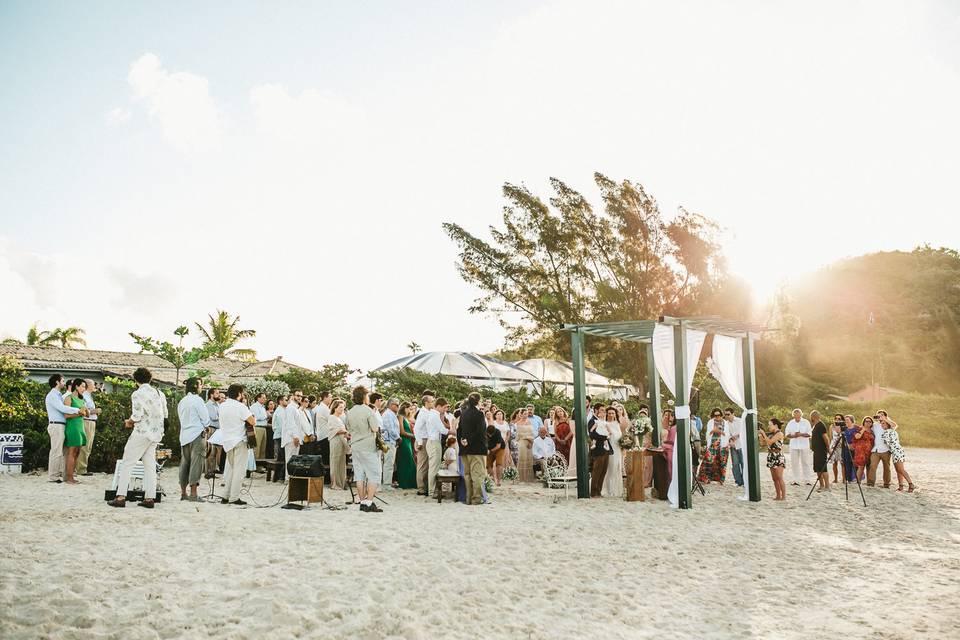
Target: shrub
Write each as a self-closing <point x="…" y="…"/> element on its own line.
<point x="23" y="410"/>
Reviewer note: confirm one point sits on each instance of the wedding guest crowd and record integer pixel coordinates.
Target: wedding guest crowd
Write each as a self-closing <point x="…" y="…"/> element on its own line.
<point x="382" y="444"/>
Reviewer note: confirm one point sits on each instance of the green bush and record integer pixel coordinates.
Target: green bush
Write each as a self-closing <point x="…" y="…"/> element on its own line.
<point x="23" y="410"/>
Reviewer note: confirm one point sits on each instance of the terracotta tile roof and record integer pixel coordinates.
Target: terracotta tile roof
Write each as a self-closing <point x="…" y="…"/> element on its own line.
<point x="123" y="364"/>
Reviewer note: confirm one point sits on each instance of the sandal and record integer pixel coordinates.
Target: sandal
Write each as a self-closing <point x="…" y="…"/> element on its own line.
<point x="900" y="488"/>
<point x="910" y="488"/>
<point x="118" y="502"/>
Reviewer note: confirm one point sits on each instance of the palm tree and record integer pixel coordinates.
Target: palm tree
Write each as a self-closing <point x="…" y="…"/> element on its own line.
<point x="69" y="337"/>
<point x="36" y="338"/>
<point x="414" y="347"/>
<point x="221" y="334"/>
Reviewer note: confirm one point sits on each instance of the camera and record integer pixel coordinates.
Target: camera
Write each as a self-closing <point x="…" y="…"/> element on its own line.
<point x="838" y="423"/>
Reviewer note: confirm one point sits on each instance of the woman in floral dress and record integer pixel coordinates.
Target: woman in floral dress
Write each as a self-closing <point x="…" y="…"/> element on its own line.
<point x="713" y="467"/>
<point x="776" y="462"/>
<point x="862" y="446"/>
<point x="891" y="438"/>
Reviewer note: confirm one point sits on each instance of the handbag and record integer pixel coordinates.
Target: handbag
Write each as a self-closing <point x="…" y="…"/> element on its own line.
<point x="381" y="445"/>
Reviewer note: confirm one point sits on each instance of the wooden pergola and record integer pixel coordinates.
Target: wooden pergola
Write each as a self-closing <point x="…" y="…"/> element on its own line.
<point x="642" y="331"/>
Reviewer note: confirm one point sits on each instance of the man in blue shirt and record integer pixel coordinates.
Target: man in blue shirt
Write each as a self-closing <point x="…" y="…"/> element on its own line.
<point x="89" y="429"/>
<point x="259" y="411"/>
<point x="215" y="451"/>
<point x="194" y="419"/>
<point x="57" y="414"/>
<point x="535" y="421"/>
<point x="391" y="436"/>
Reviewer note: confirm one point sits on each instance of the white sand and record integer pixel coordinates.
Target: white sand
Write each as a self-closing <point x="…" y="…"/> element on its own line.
<point x="525" y="566"/>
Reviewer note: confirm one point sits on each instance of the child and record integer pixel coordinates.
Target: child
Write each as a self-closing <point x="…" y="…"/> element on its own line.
<point x="450" y="455"/>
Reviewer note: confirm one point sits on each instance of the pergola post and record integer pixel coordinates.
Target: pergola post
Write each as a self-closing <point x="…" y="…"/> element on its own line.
<point x="750" y="418"/>
<point x="580" y="413"/>
<point x="653" y="385"/>
<point x="682" y="443"/>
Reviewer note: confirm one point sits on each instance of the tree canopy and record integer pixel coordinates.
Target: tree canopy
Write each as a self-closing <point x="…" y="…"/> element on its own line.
<point x="563" y="261"/>
<point x="66" y="337"/>
<point x="889" y="317"/>
<point x="221" y="334"/>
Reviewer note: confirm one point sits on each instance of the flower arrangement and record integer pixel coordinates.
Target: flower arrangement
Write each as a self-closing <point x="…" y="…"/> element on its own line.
<point x="488" y="484"/>
<point x="632" y="440"/>
<point x="510" y="473"/>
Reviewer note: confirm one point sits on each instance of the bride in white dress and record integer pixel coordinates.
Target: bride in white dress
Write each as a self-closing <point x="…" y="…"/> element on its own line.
<point x="613" y="481"/>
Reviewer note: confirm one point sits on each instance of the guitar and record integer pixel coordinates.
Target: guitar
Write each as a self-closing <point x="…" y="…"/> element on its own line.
<point x="251" y="435"/>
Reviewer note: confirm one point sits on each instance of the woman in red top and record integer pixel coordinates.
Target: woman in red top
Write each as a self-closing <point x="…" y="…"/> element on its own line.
<point x="563" y="432"/>
<point x="862" y="446"/>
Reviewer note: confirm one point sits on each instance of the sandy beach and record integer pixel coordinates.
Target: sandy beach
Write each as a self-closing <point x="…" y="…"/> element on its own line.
<point x="530" y="565"/>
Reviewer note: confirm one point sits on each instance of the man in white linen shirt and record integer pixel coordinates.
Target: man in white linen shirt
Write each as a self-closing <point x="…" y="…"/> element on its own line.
<point x="734" y="426"/>
<point x="278" y="416"/>
<point x="420" y="438"/>
<point x="543" y="448"/>
<point x="194" y="418"/>
<point x="293" y="431"/>
<point x="880" y="452"/>
<point x="214" y="452"/>
<point x="259" y="411"/>
<point x="321" y="418"/>
<point x="232" y="436"/>
<point x="434" y="429"/>
<point x="801" y="458"/>
<point x="146" y="419"/>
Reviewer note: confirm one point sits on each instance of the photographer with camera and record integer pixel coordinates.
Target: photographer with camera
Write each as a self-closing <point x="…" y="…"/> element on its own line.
<point x="820" y="445"/>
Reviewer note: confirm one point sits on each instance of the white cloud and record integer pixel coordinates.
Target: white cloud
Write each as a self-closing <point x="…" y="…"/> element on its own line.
<point x="309" y="118"/>
<point x="179" y="101"/>
<point x="118" y="116"/>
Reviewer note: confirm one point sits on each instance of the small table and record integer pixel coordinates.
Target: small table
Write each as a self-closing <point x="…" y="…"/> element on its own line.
<point x="305" y="489"/>
<point x="453" y="479"/>
<point x="636" y="468"/>
<point x="270" y="465"/>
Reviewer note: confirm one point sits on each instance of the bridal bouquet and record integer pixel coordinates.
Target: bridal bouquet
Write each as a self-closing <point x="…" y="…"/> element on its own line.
<point x="632" y="440"/>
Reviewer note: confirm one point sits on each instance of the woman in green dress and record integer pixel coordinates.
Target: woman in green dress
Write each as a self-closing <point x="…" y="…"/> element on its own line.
<point x="406" y="467"/>
<point x="73" y="435"/>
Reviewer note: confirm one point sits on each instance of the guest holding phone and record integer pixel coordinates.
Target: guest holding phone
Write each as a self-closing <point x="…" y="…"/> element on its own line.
<point x="776" y="462"/>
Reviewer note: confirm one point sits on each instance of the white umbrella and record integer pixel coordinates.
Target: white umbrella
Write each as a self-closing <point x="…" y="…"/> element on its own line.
<point x="471" y="367"/>
<point x="560" y="374"/>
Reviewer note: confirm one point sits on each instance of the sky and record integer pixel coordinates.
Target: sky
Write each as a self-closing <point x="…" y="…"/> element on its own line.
<point x="292" y="162"/>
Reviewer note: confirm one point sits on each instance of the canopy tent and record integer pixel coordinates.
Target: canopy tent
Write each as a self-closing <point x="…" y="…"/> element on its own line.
<point x="559" y="375"/>
<point x="473" y="368"/>
<point x="673" y="349"/>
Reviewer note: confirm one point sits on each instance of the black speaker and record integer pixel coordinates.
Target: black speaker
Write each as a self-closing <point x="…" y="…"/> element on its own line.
<point x="305" y="466"/>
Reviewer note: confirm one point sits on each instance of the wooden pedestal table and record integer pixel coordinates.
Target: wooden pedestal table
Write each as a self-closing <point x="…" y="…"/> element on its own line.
<point x="303" y="489"/>
<point x="637" y="470"/>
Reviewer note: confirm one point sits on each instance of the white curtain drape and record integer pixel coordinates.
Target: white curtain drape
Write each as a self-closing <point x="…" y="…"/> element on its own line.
<point x="726" y="366"/>
<point x="663" y="357"/>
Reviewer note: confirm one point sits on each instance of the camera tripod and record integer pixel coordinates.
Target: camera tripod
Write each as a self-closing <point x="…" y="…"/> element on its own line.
<point x="844" y="452"/>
